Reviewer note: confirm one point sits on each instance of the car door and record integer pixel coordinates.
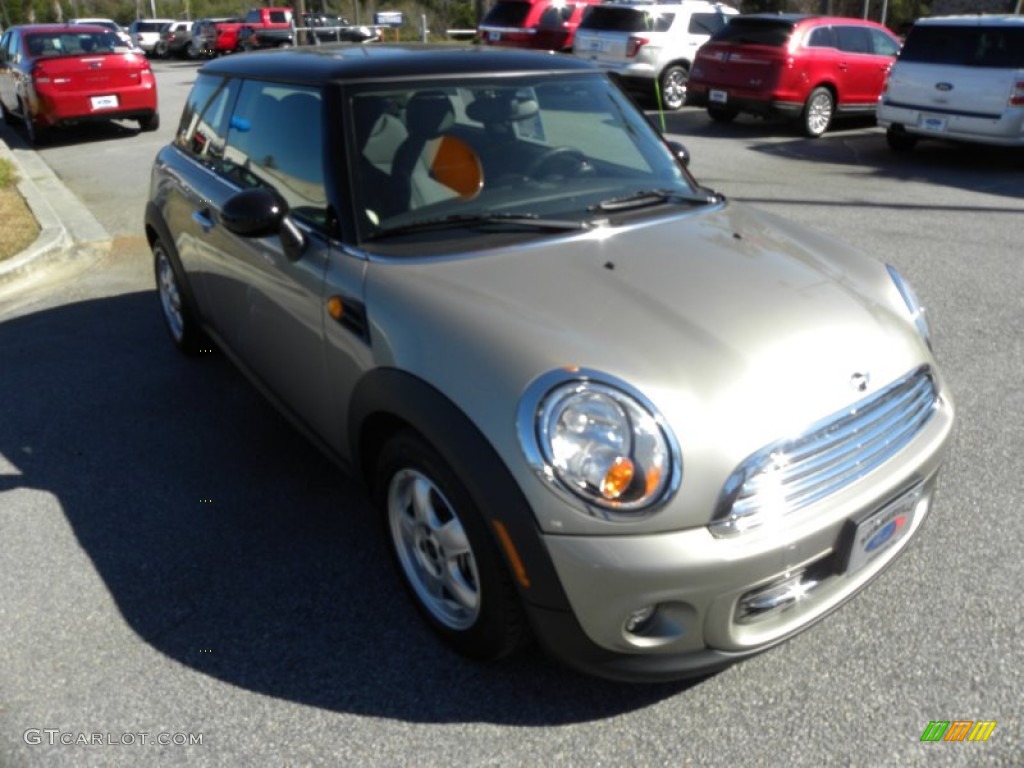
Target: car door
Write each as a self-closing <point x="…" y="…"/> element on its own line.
<point x="275" y="294"/>
<point x="863" y="71"/>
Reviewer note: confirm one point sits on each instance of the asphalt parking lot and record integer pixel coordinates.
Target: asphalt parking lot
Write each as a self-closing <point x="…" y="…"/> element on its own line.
<point x="178" y="565"/>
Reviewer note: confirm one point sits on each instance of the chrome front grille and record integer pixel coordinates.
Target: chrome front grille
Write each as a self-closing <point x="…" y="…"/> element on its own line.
<point x="792" y="474"/>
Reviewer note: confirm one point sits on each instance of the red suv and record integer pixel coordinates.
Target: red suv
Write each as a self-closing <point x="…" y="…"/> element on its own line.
<point x="806" y="68"/>
<point x="548" y="25"/>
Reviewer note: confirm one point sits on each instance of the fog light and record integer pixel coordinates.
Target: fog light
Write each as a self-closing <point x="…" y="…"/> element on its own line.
<point x="639" y="618"/>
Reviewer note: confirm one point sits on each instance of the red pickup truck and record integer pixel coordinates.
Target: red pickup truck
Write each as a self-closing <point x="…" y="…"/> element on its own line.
<point x="258" y="19"/>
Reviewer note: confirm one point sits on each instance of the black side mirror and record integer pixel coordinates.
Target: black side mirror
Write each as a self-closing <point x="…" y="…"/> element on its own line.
<point x="261" y="212"/>
<point x="681" y="153"/>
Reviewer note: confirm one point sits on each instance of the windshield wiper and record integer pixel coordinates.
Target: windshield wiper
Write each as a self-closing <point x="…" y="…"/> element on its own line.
<point x="529" y="220"/>
<point x="648" y="197"/>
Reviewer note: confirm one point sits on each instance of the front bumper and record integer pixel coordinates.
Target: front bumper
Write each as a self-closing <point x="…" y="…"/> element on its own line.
<point x="704" y="586"/>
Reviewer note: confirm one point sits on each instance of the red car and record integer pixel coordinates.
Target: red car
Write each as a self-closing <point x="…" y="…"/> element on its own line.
<point x="58" y="74"/>
<point x="806" y="68"/>
<point x="547" y="25"/>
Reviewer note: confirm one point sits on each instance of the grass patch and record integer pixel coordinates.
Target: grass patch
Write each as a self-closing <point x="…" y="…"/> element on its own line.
<point x="20" y="228"/>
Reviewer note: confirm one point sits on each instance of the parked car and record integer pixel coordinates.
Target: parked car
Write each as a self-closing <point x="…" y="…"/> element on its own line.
<point x="61" y="74"/>
<point x="175" y="40"/>
<point x="204" y="36"/>
<point x="957" y="78"/>
<point x="650" y="46"/>
<point x="113" y="26"/>
<point x="145" y="33"/>
<point x="548" y="25"/>
<point x="593" y="400"/>
<point x="808" y="69"/>
<point x="326" y="28"/>
<point x="262" y="27"/>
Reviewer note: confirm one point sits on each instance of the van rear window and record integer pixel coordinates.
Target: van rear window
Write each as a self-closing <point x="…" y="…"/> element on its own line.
<point x="965" y="46"/>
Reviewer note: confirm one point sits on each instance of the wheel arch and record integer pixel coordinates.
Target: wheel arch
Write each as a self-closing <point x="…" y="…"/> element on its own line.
<point x="684" y="63"/>
<point x="387" y="401"/>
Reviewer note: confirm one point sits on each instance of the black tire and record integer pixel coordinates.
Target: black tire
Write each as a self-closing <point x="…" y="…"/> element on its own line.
<point x="899" y="140"/>
<point x="722" y="114"/>
<point x="176" y="305"/>
<point x="8" y="117"/>
<point x="817" y="114"/>
<point x="444" y="552"/>
<point x="673" y="86"/>
<point x="150" y="122"/>
<point x="36" y="136"/>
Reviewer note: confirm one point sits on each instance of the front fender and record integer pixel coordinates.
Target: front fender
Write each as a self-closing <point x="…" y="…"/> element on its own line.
<point x="388" y="400"/>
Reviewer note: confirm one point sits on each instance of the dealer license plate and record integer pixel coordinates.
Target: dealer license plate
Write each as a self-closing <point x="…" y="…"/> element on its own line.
<point x="933" y="123"/>
<point x="104" y="102"/>
<point x="882" y="529"/>
<point x="494" y="36"/>
<point x="716" y="96"/>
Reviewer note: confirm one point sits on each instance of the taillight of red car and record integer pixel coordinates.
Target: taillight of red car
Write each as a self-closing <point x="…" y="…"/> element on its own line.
<point x="40" y="75"/>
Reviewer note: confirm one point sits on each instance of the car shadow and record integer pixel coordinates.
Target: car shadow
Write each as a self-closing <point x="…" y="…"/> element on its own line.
<point x="64" y="136"/>
<point x="229" y="543"/>
<point x="860" y="144"/>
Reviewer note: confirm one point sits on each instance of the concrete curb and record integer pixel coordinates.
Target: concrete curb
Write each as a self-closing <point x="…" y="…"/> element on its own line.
<point x="67" y="229"/>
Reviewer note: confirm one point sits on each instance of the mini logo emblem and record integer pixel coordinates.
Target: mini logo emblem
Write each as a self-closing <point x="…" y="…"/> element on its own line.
<point x="860" y="381"/>
<point x="944" y="87"/>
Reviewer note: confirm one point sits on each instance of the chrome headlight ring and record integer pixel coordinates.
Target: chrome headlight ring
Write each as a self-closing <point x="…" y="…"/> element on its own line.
<point x="593" y="438"/>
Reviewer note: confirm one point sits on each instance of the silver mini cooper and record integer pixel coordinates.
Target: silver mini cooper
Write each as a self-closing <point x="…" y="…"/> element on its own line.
<point x="597" y="404"/>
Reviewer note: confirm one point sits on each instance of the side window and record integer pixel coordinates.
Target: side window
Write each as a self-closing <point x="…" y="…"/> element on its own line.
<point x="882" y="44"/>
<point x="853" y="39"/>
<point x="662" y="22"/>
<point x="275" y="139"/>
<point x="555" y="16"/>
<point x="707" y="23"/>
<point x="821" y="37"/>
<point x="203" y="126"/>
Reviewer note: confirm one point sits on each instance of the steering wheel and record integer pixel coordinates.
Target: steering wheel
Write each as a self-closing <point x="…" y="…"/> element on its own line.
<point x="562" y="161"/>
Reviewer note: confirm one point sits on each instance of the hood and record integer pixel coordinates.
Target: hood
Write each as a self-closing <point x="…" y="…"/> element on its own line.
<point x="741" y="328"/>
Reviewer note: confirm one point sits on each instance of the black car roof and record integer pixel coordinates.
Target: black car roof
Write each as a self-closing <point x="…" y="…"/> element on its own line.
<point x="346" y="61"/>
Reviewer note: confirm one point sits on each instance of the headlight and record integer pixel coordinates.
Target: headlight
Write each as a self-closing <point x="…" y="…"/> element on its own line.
<point x="597" y="439"/>
<point x="917" y="312"/>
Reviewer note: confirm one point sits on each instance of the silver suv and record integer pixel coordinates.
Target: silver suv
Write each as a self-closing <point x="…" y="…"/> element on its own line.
<point x="650" y="46"/>
<point x="957" y="77"/>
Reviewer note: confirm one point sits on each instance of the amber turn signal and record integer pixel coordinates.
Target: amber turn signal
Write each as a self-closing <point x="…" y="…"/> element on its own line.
<point x="618" y="478"/>
<point x="335" y="307"/>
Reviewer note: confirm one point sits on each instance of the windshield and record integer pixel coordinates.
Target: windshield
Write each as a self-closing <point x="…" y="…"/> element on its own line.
<point x="50" y="44"/>
<point x="550" y="148"/>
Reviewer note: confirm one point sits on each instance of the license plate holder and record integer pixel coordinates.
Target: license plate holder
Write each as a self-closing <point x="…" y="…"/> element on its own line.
<point x="716" y="96"/>
<point x="870" y="535"/>
<point x="933" y="123"/>
<point x="104" y="102"/>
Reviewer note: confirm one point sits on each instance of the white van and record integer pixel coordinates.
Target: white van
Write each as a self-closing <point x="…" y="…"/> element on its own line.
<point x="959" y="78"/>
